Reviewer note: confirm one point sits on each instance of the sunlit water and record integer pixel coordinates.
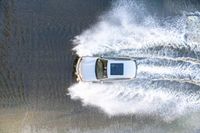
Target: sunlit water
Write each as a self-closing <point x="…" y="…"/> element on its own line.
<point x="164" y="56"/>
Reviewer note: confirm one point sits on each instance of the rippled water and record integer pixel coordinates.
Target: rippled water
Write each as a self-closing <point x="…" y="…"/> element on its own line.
<point x="36" y="64"/>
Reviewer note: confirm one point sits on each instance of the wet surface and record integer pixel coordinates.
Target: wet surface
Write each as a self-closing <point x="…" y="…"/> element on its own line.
<point x="36" y="66"/>
<point x="36" y="58"/>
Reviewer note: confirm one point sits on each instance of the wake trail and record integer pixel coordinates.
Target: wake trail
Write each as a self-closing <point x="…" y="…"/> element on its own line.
<point x="167" y="55"/>
<point x="168" y="70"/>
<point x="157" y="52"/>
<point x="140" y="97"/>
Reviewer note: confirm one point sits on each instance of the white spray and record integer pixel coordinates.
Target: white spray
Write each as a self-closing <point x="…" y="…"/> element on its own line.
<point x="128" y="30"/>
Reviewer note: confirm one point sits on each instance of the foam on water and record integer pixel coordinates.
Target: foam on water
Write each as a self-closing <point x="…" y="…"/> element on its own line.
<point x="164" y="57"/>
<point x="168" y="69"/>
<point x="137" y="97"/>
<point x="129" y="26"/>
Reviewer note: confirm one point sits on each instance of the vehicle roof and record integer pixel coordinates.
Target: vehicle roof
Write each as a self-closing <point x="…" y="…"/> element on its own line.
<point x="117" y="68"/>
<point x="121" y="69"/>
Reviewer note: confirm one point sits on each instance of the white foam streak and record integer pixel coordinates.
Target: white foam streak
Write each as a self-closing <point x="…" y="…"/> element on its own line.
<point x="181" y="72"/>
<point x="127" y="29"/>
<point x="119" y="29"/>
<point x="135" y="99"/>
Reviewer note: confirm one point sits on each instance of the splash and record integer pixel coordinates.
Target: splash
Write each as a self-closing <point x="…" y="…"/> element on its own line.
<point x="137" y="97"/>
<point x="165" y="69"/>
<point x="129" y="26"/>
<point x="168" y="63"/>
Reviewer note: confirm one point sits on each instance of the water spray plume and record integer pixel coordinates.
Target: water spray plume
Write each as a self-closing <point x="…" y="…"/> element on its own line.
<point x="165" y="58"/>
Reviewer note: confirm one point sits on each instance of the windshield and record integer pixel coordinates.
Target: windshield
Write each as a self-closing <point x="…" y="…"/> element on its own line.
<point x="101" y="68"/>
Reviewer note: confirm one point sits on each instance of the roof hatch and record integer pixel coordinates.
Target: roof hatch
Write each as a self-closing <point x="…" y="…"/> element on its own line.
<point x="116" y="69"/>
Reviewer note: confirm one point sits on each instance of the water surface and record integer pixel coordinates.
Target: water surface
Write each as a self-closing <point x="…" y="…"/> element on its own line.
<point x="36" y="65"/>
